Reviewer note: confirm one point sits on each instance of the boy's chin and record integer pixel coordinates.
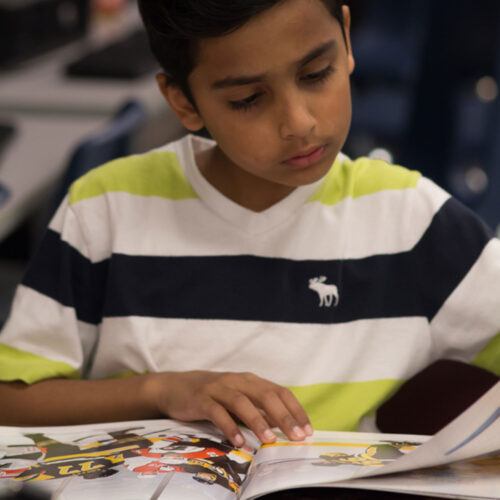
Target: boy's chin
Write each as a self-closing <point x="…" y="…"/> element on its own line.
<point x="311" y="174"/>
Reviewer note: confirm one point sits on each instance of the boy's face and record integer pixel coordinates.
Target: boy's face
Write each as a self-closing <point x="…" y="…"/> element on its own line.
<point x="275" y="95"/>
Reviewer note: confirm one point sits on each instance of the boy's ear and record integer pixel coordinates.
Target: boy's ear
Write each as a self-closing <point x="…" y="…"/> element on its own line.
<point x="346" y="14"/>
<point x="180" y="104"/>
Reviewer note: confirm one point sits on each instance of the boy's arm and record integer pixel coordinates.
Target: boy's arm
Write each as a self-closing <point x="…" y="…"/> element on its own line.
<point x="221" y="398"/>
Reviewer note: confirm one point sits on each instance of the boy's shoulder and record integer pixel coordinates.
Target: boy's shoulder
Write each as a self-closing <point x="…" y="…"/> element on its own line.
<point x="355" y="178"/>
<point x="159" y="172"/>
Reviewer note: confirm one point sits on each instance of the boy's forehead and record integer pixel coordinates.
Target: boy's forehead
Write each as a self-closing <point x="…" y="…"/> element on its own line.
<point x="281" y="35"/>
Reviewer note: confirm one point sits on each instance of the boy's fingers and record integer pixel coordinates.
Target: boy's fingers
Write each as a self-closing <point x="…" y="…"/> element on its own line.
<point x="219" y="416"/>
<point x="296" y="410"/>
<point x="228" y="397"/>
<point x="280" y="406"/>
<point x="283" y="408"/>
<point x="268" y="418"/>
<point x="278" y="411"/>
<point x="241" y="406"/>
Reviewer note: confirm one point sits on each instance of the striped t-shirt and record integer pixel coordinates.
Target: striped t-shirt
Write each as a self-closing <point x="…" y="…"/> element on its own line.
<point x="341" y="291"/>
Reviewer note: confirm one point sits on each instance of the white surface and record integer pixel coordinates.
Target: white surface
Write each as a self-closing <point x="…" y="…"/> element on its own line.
<point x="54" y="113"/>
<point x="41" y="85"/>
<point x="34" y="160"/>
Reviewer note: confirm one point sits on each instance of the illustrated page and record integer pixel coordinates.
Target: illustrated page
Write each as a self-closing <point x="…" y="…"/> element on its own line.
<point x="475" y="479"/>
<point x="331" y="457"/>
<point x="474" y="433"/>
<point x="128" y="460"/>
<point x="323" y="458"/>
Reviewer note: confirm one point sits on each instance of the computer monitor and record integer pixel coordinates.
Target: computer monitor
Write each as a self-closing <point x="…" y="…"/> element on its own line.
<point x="31" y="27"/>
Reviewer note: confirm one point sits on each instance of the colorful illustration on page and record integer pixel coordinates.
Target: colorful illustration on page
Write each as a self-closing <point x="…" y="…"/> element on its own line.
<point x="374" y="455"/>
<point x="207" y="459"/>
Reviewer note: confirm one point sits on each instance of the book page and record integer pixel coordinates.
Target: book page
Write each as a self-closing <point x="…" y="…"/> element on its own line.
<point x="323" y="458"/>
<point x="151" y="459"/>
<point x="331" y="457"/>
<point x="474" y="479"/>
<point x="474" y="433"/>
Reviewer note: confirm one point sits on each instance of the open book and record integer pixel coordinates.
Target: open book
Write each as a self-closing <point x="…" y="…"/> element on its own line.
<point x="160" y="459"/>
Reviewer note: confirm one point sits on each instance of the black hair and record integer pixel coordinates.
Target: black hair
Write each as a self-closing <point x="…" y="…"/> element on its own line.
<point x="175" y="26"/>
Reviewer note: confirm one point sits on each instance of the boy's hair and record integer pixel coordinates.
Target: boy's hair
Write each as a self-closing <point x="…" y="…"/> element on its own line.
<point x="175" y="26"/>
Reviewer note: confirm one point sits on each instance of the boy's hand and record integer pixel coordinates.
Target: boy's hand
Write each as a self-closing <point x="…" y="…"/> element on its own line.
<point x="222" y="397"/>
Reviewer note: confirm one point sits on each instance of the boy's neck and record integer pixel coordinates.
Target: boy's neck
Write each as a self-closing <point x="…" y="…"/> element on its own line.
<point x="243" y="188"/>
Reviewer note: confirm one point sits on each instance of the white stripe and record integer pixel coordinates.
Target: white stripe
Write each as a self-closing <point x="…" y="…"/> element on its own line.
<point x="42" y="326"/>
<point x="470" y="317"/>
<point x="381" y="223"/>
<point x="289" y="354"/>
<point x="70" y="229"/>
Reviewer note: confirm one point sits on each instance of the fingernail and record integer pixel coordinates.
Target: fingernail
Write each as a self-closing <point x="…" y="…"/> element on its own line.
<point x="239" y="440"/>
<point x="269" y="435"/>
<point x="298" y="432"/>
<point x="308" y="429"/>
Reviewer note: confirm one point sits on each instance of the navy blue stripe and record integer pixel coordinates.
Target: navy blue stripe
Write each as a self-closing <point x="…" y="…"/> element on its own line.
<point x="243" y="287"/>
<point x="62" y="273"/>
<point x="413" y="283"/>
<point x="446" y="252"/>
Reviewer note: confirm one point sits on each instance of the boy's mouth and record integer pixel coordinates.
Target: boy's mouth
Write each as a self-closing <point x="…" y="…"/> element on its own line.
<point x="306" y="157"/>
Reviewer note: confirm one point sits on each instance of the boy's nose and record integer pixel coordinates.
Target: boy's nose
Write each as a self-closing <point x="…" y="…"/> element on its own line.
<point x="295" y="119"/>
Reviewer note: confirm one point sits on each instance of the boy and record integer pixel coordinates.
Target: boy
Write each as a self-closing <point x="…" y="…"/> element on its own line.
<point x="254" y="277"/>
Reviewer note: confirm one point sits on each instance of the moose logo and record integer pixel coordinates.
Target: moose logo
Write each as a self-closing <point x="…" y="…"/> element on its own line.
<point x="325" y="291"/>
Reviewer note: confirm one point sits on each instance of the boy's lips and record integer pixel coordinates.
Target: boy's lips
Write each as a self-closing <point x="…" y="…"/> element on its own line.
<point x="306" y="157"/>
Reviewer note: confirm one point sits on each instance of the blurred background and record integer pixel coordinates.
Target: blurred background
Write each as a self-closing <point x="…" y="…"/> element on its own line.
<point x="425" y="92"/>
<point x="77" y="88"/>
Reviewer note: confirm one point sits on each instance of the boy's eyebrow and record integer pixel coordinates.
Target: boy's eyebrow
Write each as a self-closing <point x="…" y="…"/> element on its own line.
<point x="246" y="80"/>
<point x="318" y="51"/>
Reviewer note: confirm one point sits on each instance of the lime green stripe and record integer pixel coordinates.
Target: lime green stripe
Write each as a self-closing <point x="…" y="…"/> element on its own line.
<point x="27" y="367"/>
<point x="340" y="407"/>
<point x="362" y="177"/>
<point x="154" y="174"/>
<point x="126" y="373"/>
<point x="489" y="357"/>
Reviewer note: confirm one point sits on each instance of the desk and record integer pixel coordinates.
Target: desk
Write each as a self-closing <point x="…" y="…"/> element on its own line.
<point x="40" y="85"/>
<point x="34" y="160"/>
<point x="53" y="113"/>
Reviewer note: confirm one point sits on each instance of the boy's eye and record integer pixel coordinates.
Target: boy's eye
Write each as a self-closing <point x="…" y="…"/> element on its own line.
<point x="247" y="103"/>
<point x="312" y="78"/>
<point x="318" y="76"/>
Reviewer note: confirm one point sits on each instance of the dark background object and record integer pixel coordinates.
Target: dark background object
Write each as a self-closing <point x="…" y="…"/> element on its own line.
<point x="32" y="27"/>
<point x="418" y="92"/>
<point x="7" y="132"/>
<point x="27" y="492"/>
<point x="342" y="494"/>
<point x="434" y="397"/>
<point x="113" y="141"/>
<point x="127" y="58"/>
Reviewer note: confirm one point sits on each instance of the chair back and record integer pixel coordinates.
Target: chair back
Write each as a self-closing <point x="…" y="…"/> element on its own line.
<point x="107" y="144"/>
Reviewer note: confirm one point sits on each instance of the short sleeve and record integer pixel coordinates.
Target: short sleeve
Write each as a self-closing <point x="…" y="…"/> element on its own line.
<point x="52" y="328"/>
<point x="467" y="325"/>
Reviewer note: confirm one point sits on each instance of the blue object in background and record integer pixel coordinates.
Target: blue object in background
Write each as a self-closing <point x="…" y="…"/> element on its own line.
<point x="425" y="89"/>
<point x="105" y="145"/>
<point x="388" y="38"/>
<point x="4" y="194"/>
<point x="488" y="205"/>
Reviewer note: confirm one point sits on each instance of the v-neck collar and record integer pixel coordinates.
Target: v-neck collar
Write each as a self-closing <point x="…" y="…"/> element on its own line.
<point x="244" y="219"/>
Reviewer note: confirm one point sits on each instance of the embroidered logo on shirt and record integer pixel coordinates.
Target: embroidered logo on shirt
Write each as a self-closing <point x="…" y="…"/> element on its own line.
<point x="325" y="291"/>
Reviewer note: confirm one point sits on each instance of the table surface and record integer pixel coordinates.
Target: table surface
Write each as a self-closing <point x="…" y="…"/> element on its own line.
<point x="34" y="160"/>
<point x="53" y="113"/>
<point x="40" y="85"/>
